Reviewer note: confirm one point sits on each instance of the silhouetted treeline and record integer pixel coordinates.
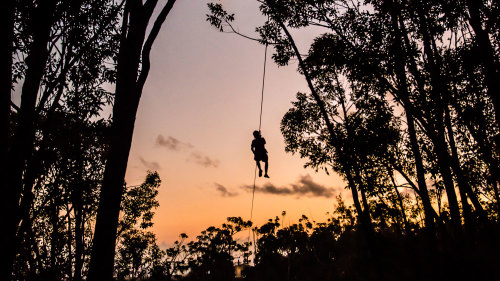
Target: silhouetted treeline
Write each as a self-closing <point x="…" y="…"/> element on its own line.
<point x="336" y="249"/>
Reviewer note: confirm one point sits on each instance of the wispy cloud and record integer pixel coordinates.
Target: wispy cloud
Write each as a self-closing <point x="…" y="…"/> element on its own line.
<point x="150" y="164"/>
<point x="203" y="160"/>
<point x="224" y="191"/>
<point x="304" y="186"/>
<point x="172" y="143"/>
<point x="194" y="155"/>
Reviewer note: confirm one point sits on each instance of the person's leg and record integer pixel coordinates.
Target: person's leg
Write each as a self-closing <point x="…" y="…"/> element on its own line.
<point x="258" y="166"/>
<point x="266" y="162"/>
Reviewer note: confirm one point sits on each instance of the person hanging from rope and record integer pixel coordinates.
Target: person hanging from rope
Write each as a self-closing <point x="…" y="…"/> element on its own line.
<point x="260" y="152"/>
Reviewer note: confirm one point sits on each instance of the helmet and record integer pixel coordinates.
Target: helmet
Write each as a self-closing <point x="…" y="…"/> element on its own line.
<point x="256" y="133"/>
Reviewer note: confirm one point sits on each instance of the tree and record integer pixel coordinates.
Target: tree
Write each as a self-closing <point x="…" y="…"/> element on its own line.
<point x="129" y="85"/>
<point x="7" y="33"/>
<point x="393" y="51"/>
<point x="39" y="29"/>
<point x="136" y="245"/>
<point x="51" y="40"/>
<point x="211" y="256"/>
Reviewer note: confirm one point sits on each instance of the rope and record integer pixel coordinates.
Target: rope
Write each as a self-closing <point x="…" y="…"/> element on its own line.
<point x="260" y="124"/>
<point x="263" y="84"/>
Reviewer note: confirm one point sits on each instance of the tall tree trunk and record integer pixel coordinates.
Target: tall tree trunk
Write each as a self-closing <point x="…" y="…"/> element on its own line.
<point x="128" y="93"/>
<point x="438" y="134"/>
<point x="7" y="9"/>
<point x="399" y="56"/>
<point x="419" y="167"/>
<point x="491" y="73"/>
<point x="79" y="231"/>
<point x="485" y="148"/>
<point x="352" y="168"/>
<point x="487" y="56"/>
<point x="463" y="184"/>
<point x="22" y="144"/>
<point x="443" y="162"/>
<point x="124" y="111"/>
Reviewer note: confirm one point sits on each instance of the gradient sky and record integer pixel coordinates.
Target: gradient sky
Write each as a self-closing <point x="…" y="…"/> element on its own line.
<point x="195" y="122"/>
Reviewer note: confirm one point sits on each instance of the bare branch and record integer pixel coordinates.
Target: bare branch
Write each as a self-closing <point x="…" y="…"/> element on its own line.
<point x="146" y="51"/>
<point x="13" y="105"/>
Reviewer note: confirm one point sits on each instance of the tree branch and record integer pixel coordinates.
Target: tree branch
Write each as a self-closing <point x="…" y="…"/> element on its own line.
<point x="146" y="50"/>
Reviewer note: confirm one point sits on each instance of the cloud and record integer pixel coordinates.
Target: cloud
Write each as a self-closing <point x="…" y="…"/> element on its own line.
<point x="269" y="188"/>
<point x="150" y="164"/>
<point x="223" y="191"/>
<point x="194" y="155"/>
<point x="172" y="143"/>
<point x="304" y="186"/>
<point x="203" y="160"/>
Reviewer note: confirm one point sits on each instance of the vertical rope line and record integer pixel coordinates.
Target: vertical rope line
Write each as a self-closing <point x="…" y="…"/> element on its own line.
<point x="263" y="84"/>
<point x="253" y="192"/>
<point x="260" y="124"/>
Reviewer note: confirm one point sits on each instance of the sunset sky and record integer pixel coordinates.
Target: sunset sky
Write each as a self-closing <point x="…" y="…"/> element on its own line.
<point x="195" y="122"/>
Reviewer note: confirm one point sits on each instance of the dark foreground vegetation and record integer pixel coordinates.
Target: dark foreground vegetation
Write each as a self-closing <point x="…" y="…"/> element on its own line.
<point x="402" y="102"/>
<point x="334" y="250"/>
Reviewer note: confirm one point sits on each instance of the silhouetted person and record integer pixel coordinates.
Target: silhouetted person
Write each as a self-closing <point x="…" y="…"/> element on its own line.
<point x="260" y="152"/>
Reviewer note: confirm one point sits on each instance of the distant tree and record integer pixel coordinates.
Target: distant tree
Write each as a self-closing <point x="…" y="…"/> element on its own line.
<point x="136" y="245"/>
<point x="174" y="263"/>
<point x="211" y="255"/>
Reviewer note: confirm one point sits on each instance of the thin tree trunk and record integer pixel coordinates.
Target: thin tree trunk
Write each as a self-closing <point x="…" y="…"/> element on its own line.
<point x="355" y="196"/>
<point x="465" y="188"/>
<point x="419" y="167"/>
<point x="55" y="235"/>
<point x="69" y="244"/>
<point x="79" y="233"/>
<point x="400" y="200"/>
